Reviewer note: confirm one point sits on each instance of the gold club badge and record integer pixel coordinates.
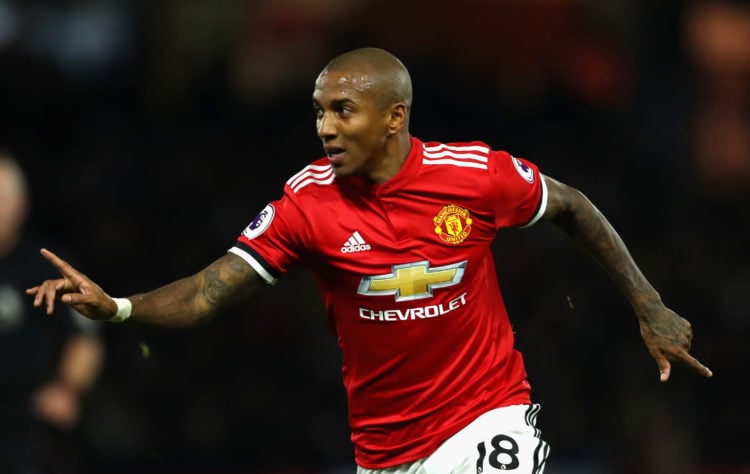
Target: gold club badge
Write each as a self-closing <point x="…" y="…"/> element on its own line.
<point x="453" y="224"/>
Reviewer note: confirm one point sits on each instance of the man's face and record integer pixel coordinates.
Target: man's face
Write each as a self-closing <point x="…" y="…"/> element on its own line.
<point x="354" y="130"/>
<point x="11" y="205"/>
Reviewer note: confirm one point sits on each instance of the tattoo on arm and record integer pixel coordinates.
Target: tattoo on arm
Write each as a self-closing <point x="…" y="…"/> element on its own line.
<point x="580" y="219"/>
<point x="215" y="289"/>
<point x="196" y="299"/>
<point x="226" y="281"/>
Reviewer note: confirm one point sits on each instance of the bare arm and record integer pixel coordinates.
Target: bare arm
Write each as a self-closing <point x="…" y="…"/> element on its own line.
<point x="667" y="336"/>
<point x="81" y="362"/>
<point x="185" y="302"/>
<point x="197" y="299"/>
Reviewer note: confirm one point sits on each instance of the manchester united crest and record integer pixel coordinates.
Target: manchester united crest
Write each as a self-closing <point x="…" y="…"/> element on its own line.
<point x="453" y="224"/>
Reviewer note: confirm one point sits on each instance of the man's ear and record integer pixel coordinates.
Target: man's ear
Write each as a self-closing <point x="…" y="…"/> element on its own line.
<point x="398" y="118"/>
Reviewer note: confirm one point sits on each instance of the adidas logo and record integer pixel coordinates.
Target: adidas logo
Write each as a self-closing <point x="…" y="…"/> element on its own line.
<point x="355" y="244"/>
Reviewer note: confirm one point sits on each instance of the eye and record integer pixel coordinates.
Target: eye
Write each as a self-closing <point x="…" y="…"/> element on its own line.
<point x="317" y="111"/>
<point x="345" y="110"/>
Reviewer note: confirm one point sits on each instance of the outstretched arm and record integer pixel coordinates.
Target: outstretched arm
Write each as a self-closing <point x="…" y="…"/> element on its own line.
<point x="184" y="302"/>
<point x="667" y="336"/>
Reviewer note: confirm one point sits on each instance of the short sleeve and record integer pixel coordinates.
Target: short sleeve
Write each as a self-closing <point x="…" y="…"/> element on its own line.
<point x="272" y="242"/>
<point x="519" y="191"/>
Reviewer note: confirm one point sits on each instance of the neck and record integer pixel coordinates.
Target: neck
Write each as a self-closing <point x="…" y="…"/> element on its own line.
<point x="396" y="151"/>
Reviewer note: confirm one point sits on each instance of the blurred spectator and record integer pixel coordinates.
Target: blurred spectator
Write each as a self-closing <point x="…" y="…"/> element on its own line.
<point x="46" y="366"/>
<point x="718" y="40"/>
<point x="84" y="39"/>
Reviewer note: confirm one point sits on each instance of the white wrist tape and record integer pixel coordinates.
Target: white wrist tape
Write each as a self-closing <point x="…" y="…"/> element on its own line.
<point x="124" y="307"/>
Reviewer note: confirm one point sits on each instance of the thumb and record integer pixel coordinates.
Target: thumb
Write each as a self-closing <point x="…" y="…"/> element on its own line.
<point x="665" y="369"/>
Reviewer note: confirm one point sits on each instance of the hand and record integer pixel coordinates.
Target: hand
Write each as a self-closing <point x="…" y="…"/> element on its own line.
<point x="74" y="289"/>
<point x="668" y="338"/>
<point x="57" y="404"/>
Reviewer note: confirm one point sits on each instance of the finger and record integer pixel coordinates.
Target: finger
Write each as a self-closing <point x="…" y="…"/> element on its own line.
<point x="665" y="372"/>
<point x="37" y="292"/>
<point x="64" y="267"/>
<point x="48" y="293"/>
<point x="693" y="363"/>
<point x="665" y="368"/>
<point x="64" y="285"/>
<point x="75" y="298"/>
<point x="49" y="298"/>
<point x="40" y="295"/>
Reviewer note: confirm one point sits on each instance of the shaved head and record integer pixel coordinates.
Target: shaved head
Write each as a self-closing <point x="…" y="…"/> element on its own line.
<point x="376" y="71"/>
<point x="13" y="202"/>
<point x="13" y="178"/>
<point x="362" y="101"/>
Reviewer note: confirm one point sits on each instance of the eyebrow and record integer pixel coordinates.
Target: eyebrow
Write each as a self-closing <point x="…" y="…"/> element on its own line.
<point x="335" y="102"/>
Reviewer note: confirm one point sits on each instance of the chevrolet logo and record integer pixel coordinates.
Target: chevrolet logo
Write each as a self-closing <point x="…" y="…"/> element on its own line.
<point x="412" y="281"/>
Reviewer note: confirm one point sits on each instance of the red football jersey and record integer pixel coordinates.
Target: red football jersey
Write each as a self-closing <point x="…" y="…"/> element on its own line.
<point x="409" y="284"/>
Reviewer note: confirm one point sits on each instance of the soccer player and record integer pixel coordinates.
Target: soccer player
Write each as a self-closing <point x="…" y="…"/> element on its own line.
<point x="397" y="234"/>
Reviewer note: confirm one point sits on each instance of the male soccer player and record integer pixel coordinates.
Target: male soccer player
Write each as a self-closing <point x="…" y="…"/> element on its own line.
<point x="397" y="233"/>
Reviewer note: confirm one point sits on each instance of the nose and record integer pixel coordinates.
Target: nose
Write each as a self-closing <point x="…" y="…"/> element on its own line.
<point x="326" y="128"/>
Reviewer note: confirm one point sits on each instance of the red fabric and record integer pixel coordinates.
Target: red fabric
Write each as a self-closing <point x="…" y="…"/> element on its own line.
<point x="409" y="283"/>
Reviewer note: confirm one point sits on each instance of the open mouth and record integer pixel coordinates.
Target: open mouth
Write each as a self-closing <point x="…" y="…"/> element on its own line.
<point x="334" y="154"/>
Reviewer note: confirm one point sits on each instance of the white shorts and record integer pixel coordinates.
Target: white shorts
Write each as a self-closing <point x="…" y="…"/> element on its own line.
<point x="502" y="440"/>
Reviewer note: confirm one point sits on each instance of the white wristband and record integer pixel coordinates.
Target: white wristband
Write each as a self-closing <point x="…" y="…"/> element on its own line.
<point x="124" y="307"/>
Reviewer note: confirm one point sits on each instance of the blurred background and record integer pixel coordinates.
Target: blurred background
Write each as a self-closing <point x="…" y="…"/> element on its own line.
<point x="152" y="132"/>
